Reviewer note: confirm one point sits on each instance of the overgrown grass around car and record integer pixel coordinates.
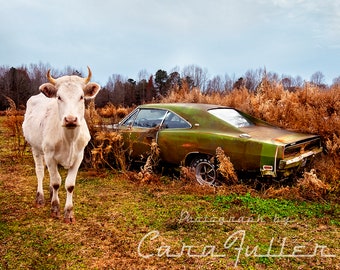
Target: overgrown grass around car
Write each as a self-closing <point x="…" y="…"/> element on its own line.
<point x="123" y="223"/>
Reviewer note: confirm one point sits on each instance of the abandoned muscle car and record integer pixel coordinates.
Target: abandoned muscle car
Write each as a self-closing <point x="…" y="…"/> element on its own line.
<point x="188" y="134"/>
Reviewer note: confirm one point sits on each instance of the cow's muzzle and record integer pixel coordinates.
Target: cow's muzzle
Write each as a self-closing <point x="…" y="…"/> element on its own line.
<point x="70" y="121"/>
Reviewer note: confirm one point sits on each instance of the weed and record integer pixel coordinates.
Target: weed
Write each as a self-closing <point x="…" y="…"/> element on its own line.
<point x="226" y="168"/>
<point x="13" y="124"/>
<point x="312" y="188"/>
<point x="146" y="173"/>
<point x="109" y="150"/>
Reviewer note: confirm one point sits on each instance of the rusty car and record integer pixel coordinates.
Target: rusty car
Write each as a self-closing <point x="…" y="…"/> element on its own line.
<point x="188" y="134"/>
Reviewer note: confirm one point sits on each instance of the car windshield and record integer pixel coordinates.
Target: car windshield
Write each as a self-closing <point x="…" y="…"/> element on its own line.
<point x="232" y="117"/>
<point x="149" y="118"/>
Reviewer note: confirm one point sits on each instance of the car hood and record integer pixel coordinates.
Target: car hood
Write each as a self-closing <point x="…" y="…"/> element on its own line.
<point x="275" y="135"/>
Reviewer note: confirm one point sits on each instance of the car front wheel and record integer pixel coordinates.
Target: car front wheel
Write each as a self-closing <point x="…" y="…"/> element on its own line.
<point x="204" y="171"/>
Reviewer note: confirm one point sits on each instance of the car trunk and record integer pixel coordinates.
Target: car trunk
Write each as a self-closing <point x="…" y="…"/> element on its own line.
<point x="295" y="149"/>
<point x="278" y="136"/>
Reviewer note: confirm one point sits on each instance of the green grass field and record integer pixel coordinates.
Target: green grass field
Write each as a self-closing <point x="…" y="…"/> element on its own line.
<point x="168" y="224"/>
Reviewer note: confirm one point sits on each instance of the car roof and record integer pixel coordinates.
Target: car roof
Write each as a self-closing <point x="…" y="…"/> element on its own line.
<point x="174" y="106"/>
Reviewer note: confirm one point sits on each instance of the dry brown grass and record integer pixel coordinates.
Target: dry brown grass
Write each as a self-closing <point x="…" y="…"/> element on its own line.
<point x="13" y="124"/>
<point x="226" y="168"/>
<point x="93" y="119"/>
<point x="308" y="188"/>
<point x="109" y="151"/>
<point x="311" y="188"/>
<point x="112" y="113"/>
<point x="146" y="174"/>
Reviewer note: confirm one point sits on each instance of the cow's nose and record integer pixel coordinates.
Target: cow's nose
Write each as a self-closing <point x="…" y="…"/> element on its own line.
<point x="71" y="121"/>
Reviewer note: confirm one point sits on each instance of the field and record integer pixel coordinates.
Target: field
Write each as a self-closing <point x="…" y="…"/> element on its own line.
<point x="171" y="223"/>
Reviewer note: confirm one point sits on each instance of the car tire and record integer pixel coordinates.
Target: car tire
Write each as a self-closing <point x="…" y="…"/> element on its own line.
<point x="205" y="171"/>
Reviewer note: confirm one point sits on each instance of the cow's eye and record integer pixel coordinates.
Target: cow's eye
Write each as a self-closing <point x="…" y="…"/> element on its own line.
<point x="82" y="97"/>
<point x="59" y="98"/>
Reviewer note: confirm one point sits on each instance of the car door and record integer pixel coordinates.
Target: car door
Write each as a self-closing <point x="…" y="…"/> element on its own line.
<point x="175" y="138"/>
<point x="140" y="129"/>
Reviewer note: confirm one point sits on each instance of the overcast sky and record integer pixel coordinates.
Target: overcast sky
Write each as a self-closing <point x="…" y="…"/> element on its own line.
<point x="124" y="37"/>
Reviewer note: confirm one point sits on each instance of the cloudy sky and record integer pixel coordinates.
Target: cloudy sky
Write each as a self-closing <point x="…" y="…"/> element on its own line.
<point x="292" y="37"/>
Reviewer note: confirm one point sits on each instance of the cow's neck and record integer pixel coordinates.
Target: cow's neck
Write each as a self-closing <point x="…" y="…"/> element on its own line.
<point x="70" y="138"/>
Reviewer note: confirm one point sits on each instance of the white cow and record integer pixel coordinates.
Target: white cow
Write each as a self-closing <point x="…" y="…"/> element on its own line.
<point x="55" y="127"/>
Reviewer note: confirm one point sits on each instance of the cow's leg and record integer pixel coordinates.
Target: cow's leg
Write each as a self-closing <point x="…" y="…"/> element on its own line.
<point x="55" y="182"/>
<point x="70" y="183"/>
<point x="39" y="170"/>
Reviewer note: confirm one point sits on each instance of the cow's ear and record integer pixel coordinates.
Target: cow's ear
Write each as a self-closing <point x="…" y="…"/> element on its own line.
<point x="91" y="90"/>
<point x="48" y="89"/>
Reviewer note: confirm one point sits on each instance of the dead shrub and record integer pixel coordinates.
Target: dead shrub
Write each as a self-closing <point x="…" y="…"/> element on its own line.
<point x="333" y="145"/>
<point x="121" y="112"/>
<point x="13" y="123"/>
<point x="184" y="94"/>
<point x="109" y="151"/>
<point x="113" y="114"/>
<point x="226" y="168"/>
<point x="146" y="174"/>
<point x="109" y="110"/>
<point x="92" y="117"/>
<point x="312" y="188"/>
<point x="187" y="174"/>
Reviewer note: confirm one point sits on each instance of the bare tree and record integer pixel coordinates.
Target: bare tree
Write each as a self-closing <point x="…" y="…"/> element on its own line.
<point x="198" y="76"/>
<point x="298" y="81"/>
<point x="37" y="74"/>
<point x="229" y="82"/>
<point x="216" y="84"/>
<point x="253" y="78"/>
<point x="317" y="78"/>
<point x="115" y="86"/>
<point x="287" y="82"/>
<point x="336" y="81"/>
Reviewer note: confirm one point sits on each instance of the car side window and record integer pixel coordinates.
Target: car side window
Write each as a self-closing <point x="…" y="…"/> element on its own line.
<point x="149" y="118"/>
<point x="174" y="121"/>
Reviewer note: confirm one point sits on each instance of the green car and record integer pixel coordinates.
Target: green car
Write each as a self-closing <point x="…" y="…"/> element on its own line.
<point x="188" y="134"/>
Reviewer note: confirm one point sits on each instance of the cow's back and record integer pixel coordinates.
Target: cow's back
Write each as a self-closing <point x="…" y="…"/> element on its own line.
<point x="41" y="116"/>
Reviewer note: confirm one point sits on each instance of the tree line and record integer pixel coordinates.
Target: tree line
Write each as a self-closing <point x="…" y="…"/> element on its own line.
<point x="19" y="83"/>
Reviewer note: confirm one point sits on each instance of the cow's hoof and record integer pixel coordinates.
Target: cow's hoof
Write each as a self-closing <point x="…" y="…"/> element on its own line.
<point x="39" y="200"/>
<point x="69" y="216"/>
<point x="39" y="204"/>
<point x="55" y="214"/>
<point x="70" y="220"/>
<point x="55" y="209"/>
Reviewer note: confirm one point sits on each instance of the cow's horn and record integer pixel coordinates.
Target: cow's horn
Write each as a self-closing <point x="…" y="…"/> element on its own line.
<point x="88" y="76"/>
<point x="50" y="78"/>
